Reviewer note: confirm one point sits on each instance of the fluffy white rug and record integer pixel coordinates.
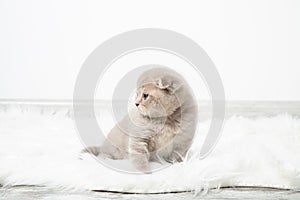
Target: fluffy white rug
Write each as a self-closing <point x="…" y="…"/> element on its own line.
<point x="40" y="149"/>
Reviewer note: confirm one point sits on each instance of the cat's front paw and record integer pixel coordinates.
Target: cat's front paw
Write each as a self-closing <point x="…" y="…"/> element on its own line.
<point x="174" y="157"/>
<point x="141" y="164"/>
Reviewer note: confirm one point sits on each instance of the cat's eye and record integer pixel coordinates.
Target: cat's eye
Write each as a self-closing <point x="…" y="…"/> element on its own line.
<point x="145" y="96"/>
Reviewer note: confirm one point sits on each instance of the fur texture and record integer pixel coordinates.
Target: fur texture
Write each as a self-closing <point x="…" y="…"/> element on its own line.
<point x="39" y="146"/>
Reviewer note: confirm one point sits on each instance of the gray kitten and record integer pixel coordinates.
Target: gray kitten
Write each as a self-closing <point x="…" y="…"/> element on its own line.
<point x="160" y="127"/>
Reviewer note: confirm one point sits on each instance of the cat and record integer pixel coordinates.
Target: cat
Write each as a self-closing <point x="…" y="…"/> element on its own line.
<point x="160" y="127"/>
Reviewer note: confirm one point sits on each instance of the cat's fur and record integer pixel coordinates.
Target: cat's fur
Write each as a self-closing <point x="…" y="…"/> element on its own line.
<point x="160" y="127"/>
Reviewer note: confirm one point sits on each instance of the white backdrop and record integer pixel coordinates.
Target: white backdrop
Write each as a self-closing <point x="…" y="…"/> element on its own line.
<point x="255" y="45"/>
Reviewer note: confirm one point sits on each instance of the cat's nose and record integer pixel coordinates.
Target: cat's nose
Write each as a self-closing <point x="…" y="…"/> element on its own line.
<point x="137" y="104"/>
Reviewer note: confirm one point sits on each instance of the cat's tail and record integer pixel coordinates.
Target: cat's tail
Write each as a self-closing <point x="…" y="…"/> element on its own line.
<point x="107" y="150"/>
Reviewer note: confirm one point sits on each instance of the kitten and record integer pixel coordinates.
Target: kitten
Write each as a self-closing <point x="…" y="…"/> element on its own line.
<point x="160" y="127"/>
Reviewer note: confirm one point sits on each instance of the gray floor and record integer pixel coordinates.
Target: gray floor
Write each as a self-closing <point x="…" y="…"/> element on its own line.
<point x="30" y="193"/>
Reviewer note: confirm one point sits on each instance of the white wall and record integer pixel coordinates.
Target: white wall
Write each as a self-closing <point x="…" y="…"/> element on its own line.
<point x="254" y="44"/>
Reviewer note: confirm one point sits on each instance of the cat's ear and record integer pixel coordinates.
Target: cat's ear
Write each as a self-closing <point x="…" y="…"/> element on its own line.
<point x="161" y="84"/>
<point x="168" y="85"/>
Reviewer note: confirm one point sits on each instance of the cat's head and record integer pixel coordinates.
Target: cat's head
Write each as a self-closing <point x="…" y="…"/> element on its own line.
<point x="157" y="99"/>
